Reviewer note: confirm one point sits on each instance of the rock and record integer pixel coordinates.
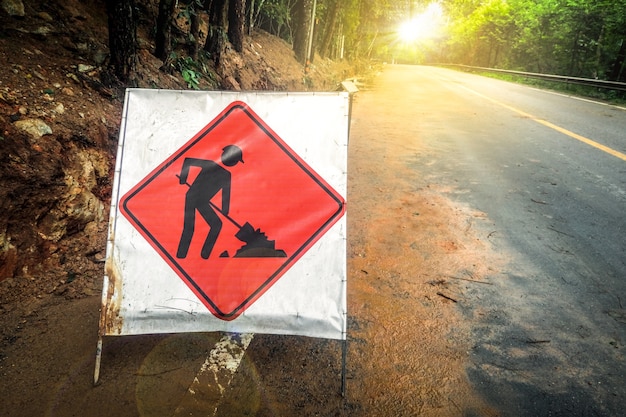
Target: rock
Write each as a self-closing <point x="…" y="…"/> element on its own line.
<point x="35" y="127"/>
<point x="77" y="207"/>
<point x="231" y="84"/>
<point x="85" y="68"/>
<point x="8" y="260"/>
<point x="13" y="7"/>
<point x="100" y="56"/>
<point x="73" y="77"/>
<point x="83" y="208"/>
<point x="52" y="226"/>
<point x="72" y="215"/>
<point x="38" y="75"/>
<point x="43" y="30"/>
<point x="45" y="16"/>
<point x="8" y="97"/>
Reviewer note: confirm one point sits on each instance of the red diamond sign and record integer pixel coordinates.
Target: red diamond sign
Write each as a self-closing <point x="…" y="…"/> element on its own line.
<point x="232" y="210"/>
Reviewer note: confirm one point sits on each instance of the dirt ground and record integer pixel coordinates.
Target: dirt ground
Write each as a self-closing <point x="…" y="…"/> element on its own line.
<point x="409" y="252"/>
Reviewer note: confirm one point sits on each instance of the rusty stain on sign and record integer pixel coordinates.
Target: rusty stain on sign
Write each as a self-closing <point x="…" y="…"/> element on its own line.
<point x="110" y="320"/>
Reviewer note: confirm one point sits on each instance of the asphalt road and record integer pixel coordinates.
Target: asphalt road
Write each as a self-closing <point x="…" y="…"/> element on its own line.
<point x="549" y="172"/>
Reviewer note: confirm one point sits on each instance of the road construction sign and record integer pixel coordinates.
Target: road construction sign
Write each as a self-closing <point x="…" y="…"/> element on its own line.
<point x="216" y="219"/>
<point x="228" y="214"/>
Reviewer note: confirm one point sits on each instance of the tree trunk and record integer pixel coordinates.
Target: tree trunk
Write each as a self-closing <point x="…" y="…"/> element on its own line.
<point x="329" y="30"/>
<point x="250" y="16"/>
<point x="618" y="65"/>
<point x="574" y="57"/>
<point x="236" y="23"/>
<point x="598" y="61"/>
<point x="217" y="29"/>
<point x="302" y="22"/>
<point x="163" y="37"/>
<point x="122" y="37"/>
<point x="194" y="31"/>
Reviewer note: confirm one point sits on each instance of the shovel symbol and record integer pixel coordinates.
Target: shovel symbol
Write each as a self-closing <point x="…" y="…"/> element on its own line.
<point x="257" y="245"/>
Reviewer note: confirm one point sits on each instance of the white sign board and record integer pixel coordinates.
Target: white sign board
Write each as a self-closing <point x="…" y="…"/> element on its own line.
<point x="227" y="214"/>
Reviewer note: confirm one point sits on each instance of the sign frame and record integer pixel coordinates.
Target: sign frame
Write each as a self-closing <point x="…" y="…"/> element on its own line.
<point x="187" y="106"/>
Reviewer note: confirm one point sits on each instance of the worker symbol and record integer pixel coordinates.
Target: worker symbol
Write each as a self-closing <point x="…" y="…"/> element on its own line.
<point x="212" y="179"/>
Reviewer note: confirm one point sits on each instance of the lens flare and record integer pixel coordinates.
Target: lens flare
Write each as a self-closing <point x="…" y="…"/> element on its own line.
<point x="426" y="25"/>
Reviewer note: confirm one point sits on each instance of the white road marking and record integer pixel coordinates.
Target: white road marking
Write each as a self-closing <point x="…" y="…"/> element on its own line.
<point x="205" y="393"/>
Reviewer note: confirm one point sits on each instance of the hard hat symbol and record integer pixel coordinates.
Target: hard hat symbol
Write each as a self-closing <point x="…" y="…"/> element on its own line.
<point x="231" y="155"/>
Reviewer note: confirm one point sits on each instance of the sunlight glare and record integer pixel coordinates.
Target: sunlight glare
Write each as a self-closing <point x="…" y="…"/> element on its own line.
<point x="423" y="26"/>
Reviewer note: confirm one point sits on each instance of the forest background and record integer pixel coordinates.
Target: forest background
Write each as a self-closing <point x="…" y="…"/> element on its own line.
<point x="583" y="38"/>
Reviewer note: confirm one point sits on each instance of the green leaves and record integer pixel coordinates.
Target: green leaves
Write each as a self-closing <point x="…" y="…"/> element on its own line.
<point x="574" y="37"/>
<point x="192" y="78"/>
<point x="190" y="70"/>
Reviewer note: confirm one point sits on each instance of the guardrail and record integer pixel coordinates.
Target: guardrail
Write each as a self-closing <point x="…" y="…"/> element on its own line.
<point x="609" y="85"/>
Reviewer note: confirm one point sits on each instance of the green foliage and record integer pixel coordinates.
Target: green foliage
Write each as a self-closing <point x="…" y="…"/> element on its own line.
<point x="582" y="38"/>
<point x="275" y="17"/>
<point x="192" y="78"/>
<point x="573" y="37"/>
<point x="191" y="71"/>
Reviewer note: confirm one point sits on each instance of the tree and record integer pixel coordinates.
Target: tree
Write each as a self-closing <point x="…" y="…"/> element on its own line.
<point x="122" y="37"/>
<point x="582" y="38"/>
<point x="330" y="27"/>
<point x="302" y="18"/>
<point x="163" y="43"/>
<point x="216" y="38"/>
<point x="236" y="23"/>
<point x="252" y="11"/>
<point x="274" y="16"/>
<point x="194" y="10"/>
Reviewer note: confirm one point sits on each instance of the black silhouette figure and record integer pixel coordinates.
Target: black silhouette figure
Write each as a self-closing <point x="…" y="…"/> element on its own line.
<point x="212" y="179"/>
